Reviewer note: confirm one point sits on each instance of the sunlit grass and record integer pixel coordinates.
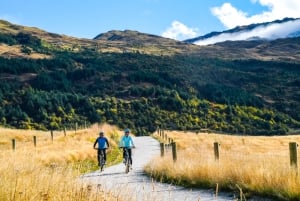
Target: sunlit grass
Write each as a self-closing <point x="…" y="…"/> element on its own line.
<point x="50" y="170"/>
<point x="257" y="165"/>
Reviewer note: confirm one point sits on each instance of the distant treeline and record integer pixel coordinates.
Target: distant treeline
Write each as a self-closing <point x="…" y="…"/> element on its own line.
<point x="34" y="109"/>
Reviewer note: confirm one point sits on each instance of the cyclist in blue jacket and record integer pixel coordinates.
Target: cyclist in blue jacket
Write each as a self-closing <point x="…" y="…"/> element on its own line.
<point x="126" y="142"/>
<point x="103" y="144"/>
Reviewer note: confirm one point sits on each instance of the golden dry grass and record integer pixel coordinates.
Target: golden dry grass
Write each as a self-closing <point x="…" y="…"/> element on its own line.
<point x="50" y="170"/>
<point x="256" y="164"/>
<point x="15" y="51"/>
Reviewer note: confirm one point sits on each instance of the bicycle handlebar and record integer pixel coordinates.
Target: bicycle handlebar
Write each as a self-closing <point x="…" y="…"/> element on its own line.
<point x="128" y="147"/>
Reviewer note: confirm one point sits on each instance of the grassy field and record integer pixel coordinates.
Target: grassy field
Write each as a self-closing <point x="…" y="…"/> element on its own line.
<point x="247" y="165"/>
<point x="49" y="170"/>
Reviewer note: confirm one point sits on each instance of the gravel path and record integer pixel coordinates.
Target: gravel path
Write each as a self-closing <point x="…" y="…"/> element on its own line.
<point x="137" y="186"/>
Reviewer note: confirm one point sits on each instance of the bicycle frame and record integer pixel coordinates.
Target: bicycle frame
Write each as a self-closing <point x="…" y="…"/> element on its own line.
<point x="101" y="159"/>
<point x="127" y="159"/>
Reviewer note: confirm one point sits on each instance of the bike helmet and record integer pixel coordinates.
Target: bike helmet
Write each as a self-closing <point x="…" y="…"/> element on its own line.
<point x="127" y="130"/>
<point x="101" y="133"/>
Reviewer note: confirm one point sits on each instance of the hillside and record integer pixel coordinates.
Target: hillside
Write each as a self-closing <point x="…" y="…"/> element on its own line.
<point x="141" y="81"/>
<point x="134" y="42"/>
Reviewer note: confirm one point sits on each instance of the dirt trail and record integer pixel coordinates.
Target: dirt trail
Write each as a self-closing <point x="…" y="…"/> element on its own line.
<point x="137" y="186"/>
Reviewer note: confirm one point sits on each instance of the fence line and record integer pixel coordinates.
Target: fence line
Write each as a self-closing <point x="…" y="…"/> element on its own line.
<point x="168" y="144"/>
<point x="52" y="136"/>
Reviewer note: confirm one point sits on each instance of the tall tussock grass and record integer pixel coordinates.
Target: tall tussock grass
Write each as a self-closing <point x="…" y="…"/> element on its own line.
<point x="50" y="171"/>
<point x="255" y="165"/>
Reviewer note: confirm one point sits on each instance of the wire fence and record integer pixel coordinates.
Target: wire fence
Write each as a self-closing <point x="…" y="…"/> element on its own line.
<point x="285" y="152"/>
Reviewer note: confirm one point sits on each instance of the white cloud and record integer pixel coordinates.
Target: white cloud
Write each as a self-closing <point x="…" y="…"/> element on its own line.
<point x="276" y="9"/>
<point x="272" y="31"/>
<point x="179" y="31"/>
<point x="229" y="15"/>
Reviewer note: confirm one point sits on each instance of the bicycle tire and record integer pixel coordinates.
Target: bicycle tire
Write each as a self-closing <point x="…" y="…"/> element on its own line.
<point x="127" y="161"/>
<point x="101" y="161"/>
<point x="127" y="168"/>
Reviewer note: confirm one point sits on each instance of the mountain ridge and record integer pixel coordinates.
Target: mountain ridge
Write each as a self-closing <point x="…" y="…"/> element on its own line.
<point x="155" y="45"/>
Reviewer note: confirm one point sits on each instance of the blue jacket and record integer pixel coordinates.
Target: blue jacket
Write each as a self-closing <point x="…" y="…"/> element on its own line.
<point x="126" y="141"/>
<point x="102" y="143"/>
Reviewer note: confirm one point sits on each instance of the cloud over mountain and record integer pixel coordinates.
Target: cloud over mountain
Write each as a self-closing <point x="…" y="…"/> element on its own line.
<point x="231" y="17"/>
<point x="268" y="31"/>
<point x="179" y="31"/>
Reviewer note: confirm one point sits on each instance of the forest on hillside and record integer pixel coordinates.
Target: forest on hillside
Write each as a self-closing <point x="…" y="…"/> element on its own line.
<point x="143" y="92"/>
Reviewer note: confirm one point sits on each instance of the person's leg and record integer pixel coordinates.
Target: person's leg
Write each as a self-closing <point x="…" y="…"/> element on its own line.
<point x="123" y="155"/>
<point x="98" y="156"/>
<point x="104" y="154"/>
<point x="129" y="153"/>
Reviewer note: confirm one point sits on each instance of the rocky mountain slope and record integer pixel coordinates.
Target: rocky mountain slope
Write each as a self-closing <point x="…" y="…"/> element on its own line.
<point x="135" y="42"/>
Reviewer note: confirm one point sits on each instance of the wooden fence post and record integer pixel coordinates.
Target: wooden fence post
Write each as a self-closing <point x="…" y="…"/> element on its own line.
<point x="162" y="149"/>
<point x="293" y="154"/>
<point x="34" y="141"/>
<point x="13" y="144"/>
<point x="65" y="133"/>
<point x="51" y="133"/>
<point x="174" y="151"/>
<point x="216" y="150"/>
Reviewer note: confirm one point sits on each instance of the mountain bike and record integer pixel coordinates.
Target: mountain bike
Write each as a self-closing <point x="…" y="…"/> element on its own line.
<point x="101" y="159"/>
<point x="127" y="161"/>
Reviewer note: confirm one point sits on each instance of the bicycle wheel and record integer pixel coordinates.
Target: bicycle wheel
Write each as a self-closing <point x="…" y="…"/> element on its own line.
<point x="127" y="166"/>
<point x="102" y="163"/>
<point x="127" y="163"/>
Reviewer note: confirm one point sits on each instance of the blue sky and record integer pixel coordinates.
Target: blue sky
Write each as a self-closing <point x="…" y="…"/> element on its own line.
<point x="177" y="19"/>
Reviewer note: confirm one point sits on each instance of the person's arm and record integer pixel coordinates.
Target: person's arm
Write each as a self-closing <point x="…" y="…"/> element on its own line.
<point x="132" y="142"/>
<point x="95" y="143"/>
<point x="121" y="143"/>
<point x="107" y="142"/>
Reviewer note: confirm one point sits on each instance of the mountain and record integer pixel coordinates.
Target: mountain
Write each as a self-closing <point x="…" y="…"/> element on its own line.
<point x="134" y="42"/>
<point x="141" y="81"/>
<point x="112" y="41"/>
<point x="287" y="27"/>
